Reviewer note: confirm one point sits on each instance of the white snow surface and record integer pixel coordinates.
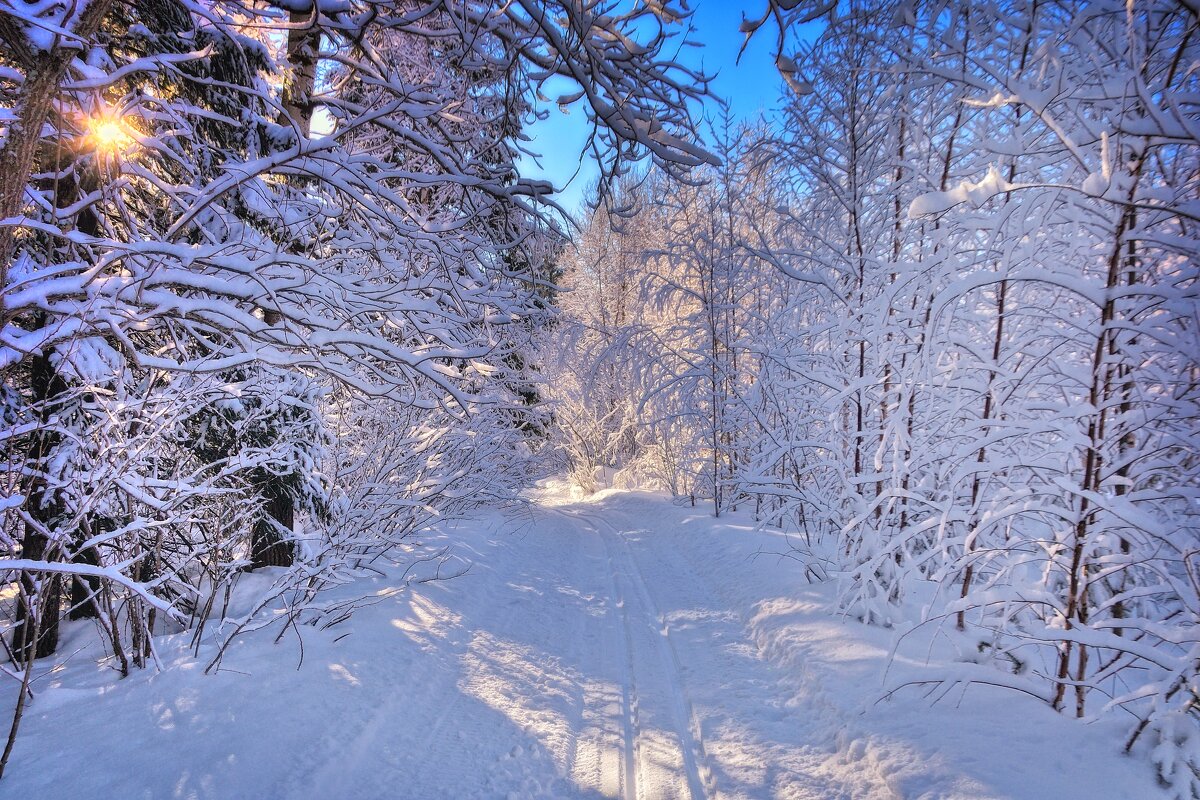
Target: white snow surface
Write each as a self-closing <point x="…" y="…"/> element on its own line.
<point x="621" y="646"/>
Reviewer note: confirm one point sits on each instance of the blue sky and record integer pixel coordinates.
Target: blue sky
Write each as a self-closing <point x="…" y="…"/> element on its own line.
<point x="751" y="86"/>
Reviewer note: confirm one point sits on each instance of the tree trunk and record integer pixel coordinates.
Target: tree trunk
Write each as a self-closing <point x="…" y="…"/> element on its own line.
<point x="85" y="590"/>
<point x="268" y="546"/>
<point x="303" y="45"/>
<point x="36" y="633"/>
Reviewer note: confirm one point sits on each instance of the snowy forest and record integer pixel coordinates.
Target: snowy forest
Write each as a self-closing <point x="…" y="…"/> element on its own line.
<point x="281" y="300"/>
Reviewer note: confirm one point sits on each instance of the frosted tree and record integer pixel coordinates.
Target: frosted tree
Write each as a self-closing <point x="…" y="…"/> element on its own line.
<point x="706" y="286"/>
<point x="1108" y="181"/>
<point x="230" y="222"/>
<point x="589" y="351"/>
<point x="1028" y="324"/>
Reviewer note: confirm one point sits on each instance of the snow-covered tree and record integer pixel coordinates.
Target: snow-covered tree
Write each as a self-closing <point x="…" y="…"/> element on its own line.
<point x="277" y="259"/>
<point x="994" y="196"/>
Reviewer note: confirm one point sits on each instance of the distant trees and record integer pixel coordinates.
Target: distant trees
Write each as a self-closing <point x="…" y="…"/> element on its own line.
<point x="584" y="354"/>
<point x="664" y="308"/>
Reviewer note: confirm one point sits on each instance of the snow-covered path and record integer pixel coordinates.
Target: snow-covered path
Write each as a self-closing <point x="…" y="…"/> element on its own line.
<point x="622" y="647"/>
<point x="584" y="657"/>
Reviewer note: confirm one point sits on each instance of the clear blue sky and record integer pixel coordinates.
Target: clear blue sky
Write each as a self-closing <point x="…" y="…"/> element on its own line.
<point x="751" y="86"/>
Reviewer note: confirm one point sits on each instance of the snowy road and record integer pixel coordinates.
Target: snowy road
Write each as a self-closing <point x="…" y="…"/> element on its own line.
<point x="588" y="660"/>
<point x="619" y="648"/>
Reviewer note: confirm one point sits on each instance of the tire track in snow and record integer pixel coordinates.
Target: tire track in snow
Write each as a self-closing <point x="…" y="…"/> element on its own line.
<point x="686" y="727"/>
<point x="629" y="709"/>
<point x="699" y="776"/>
<point x="616" y="602"/>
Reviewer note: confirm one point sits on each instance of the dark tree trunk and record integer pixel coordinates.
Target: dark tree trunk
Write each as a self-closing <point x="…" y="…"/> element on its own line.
<point x="85" y="589"/>
<point x="268" y="546"/>
<point x="36" y="633"/>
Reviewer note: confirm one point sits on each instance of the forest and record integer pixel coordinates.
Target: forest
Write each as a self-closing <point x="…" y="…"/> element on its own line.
<point x="280" y="298"/>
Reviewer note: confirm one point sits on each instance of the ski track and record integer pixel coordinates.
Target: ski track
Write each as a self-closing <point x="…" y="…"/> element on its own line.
<point x="629" y="757"/>
<point x="669" y="685"/>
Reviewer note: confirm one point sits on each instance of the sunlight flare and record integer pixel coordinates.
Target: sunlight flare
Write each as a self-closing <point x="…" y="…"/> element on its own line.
<point x="108" y="133"/>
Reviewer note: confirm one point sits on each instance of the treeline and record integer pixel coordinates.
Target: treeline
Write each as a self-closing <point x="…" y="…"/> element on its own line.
<point x="939" y="318"/>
